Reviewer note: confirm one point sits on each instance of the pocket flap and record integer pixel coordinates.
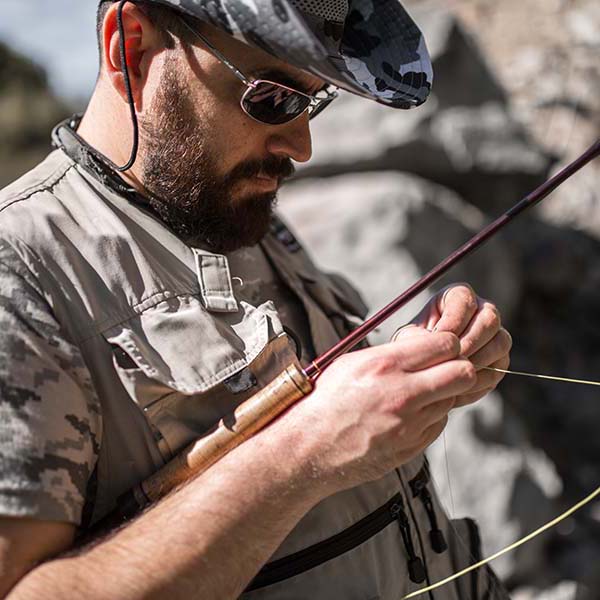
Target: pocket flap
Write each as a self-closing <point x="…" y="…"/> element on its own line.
<point x="180" y="344"/>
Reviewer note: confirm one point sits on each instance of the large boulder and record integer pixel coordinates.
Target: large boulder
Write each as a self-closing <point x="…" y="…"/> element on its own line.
<point x="383" y="230"/>
<point x="545" y="54"/>
<point x="465" y="137"/>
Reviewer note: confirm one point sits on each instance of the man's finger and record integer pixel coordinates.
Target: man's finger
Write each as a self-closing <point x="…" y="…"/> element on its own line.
<point x="487" y="381"/>
<point x="433" y="413"/>
<point x="497" y="348"/>
<point x="457" y="306"/>
<point x="421" y="351"/>
<point x="482" y="329"/>
<point x="471" y="398"/>
<point x="440" y="382"/>
<point x="433" y="432"/>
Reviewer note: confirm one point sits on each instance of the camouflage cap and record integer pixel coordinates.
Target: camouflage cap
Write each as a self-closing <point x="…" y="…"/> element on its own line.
<point x="372" y="48"/>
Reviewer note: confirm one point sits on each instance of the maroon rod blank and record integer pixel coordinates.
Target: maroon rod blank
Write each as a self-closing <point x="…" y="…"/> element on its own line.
<point x="322" y="362"/>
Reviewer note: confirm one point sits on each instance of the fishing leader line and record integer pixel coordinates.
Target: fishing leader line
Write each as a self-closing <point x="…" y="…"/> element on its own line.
<point x="537" y="376"/>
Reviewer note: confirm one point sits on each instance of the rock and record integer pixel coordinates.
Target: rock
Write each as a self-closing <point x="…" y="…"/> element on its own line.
<point x="567" y="590"/>
<point x="464" y="138"/>
<point x="544" y="53"/>
<point x="463" y="76"/>
<point x="557" y="331"/>
<point x="384" y="230"/>
<point x="584" y="26"/>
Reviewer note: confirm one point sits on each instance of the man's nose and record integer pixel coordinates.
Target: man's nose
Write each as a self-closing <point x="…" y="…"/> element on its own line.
<point x="291" y="140"/>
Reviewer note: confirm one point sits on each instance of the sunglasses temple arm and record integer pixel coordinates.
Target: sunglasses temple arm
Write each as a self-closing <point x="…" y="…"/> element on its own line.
<point x="222" y="58"/>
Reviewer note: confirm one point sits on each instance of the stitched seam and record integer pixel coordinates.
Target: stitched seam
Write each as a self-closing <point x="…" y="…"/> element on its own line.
<point x="135" y="311"/>
<point x="47" y="185"/>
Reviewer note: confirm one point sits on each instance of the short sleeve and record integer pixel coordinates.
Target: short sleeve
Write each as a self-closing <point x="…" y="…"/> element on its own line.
<point x="50" y="423"/>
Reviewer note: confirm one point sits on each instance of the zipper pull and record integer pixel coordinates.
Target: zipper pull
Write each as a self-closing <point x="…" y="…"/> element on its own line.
<point x="436" y="535"/>
<point x="416" y="569"/>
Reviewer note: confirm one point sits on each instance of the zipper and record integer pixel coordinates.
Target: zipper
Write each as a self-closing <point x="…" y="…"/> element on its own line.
<point x="350" y="538"/>
<point x="416" y="568"/>
<point x="418" y="486"/>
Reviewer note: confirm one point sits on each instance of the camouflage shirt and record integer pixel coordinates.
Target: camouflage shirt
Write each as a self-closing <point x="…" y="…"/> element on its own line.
<point x="51" y="424"/>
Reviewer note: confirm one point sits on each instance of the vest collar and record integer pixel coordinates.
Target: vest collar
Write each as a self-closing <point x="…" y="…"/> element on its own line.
<point x="212" y="270"/>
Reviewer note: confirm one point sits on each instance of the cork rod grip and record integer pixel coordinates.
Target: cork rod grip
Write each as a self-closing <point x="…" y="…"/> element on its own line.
<point x="249" y="418"/>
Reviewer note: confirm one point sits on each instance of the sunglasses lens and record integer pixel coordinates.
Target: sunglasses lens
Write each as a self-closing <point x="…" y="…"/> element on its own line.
<point x="273" y="104"/>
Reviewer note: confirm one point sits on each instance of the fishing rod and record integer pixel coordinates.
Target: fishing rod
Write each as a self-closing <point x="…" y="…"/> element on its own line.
<point x="294" y="383"/>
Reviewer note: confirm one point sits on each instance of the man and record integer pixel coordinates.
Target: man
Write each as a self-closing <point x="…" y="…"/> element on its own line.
<point x="147" y="293"/>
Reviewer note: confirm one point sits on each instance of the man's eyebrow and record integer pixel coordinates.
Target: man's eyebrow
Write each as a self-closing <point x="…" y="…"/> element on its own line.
<point x="279" y="76"/>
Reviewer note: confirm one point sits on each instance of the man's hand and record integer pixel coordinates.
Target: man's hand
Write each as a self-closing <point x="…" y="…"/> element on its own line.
<point x="477" y="323"/>
<point x="376" y="409"/>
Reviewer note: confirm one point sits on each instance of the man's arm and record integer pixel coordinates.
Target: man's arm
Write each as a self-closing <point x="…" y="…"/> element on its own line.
<point x="205" y="541"/>
<point x="212" y="536"/>
<point x="24" y="542"/>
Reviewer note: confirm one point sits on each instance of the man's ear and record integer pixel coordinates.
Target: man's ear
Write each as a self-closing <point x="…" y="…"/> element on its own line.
<point x="142" y="41"/>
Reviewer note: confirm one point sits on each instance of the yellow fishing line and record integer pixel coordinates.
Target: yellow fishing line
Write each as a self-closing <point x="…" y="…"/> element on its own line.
<point x="510" y="548"/>
<point x="549" y="377"/>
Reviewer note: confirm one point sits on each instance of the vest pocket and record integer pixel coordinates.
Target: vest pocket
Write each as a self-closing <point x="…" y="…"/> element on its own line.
<point x="333" y="547"/>
<point x="186" y="368"/>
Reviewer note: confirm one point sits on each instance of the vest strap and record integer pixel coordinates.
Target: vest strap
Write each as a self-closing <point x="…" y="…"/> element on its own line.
<point x="215" y="283"/>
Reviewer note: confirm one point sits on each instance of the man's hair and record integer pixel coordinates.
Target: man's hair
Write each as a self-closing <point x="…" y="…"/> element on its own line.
<point x="164" y="18"/>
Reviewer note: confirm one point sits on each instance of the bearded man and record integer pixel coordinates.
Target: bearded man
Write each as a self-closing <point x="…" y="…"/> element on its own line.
<point x="147" y="289"/>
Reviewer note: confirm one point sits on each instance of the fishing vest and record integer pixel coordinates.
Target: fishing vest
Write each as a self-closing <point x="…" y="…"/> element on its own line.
<point x="171" y="350"/>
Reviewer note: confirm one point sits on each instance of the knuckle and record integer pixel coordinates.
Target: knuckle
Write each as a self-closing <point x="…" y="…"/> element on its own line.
<point x="468" y="292"/>
<point x="449" y="343"/>
<point x="401" y="399"/>
<point x="492" y="317"/>
<point x="461" y="290"/>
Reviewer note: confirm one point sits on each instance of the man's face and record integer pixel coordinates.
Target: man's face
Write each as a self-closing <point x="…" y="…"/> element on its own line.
<point x="212" y="173"/>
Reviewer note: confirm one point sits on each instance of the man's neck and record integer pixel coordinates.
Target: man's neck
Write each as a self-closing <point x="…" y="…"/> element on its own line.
<point x="106" y="126"/>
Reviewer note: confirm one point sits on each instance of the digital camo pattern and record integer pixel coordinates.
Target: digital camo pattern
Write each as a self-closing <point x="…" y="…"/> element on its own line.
<point x="378" y="52"/>
<point x="50" y="421"/>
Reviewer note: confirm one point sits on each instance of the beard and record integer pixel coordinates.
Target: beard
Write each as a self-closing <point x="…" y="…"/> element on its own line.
<point x="180" y="174"/>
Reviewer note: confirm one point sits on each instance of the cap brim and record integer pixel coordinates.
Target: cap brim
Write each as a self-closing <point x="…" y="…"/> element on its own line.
<point x="378" y="52"/>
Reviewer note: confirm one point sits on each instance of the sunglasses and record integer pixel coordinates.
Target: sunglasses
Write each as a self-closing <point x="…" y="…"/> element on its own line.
<point x="271" y="102"/>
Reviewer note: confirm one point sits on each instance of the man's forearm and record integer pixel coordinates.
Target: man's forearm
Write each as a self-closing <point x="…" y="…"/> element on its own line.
<point x="206" y="541"/>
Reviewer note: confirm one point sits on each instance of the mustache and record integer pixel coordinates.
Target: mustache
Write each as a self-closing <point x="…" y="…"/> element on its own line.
<point x="272" y="167"/>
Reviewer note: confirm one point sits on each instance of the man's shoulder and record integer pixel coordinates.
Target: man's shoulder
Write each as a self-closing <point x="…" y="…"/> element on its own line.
<point x="40" y="180"/>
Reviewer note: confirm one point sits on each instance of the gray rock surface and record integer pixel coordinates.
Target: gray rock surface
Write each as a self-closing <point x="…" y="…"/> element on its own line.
<point x="384" y="230"/>
<point x="544" y="53"/>
<point x="466" y="137"/>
